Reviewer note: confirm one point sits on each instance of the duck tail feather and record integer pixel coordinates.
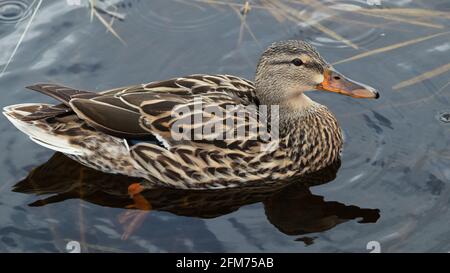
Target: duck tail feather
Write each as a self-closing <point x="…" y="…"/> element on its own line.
<point x="40" y="131"/>
<point x="61" y="93"/>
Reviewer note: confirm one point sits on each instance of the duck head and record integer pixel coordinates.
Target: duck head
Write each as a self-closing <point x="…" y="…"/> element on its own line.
<point x="288" y="69"/>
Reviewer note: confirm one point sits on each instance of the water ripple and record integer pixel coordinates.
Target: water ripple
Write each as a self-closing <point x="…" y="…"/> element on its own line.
<point x="157" y="14"/>
<point x="13" y="11"/>
<point x="341" y="18"/>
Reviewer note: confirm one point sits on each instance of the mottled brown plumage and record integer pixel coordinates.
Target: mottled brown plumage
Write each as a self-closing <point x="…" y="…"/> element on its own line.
<point x="131" y="130"/>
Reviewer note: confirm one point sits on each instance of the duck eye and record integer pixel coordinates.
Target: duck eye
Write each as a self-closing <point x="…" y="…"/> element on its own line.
<point x="297" y="62"/>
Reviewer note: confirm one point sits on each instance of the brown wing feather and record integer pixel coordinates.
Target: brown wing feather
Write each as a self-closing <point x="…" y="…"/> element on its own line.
<point x="102" y="111"/>
<point x="143" y="110"/>
<point x="108" y="118"/>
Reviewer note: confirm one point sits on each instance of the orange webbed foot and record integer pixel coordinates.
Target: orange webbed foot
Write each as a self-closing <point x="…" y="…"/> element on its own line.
<point x="134" y="190"/>
<point x="132" y="219"/>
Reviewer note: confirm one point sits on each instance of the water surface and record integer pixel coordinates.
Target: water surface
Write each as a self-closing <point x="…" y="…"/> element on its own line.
<point x="392" y="185"/>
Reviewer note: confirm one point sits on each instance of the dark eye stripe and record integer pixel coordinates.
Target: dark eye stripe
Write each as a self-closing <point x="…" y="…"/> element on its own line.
<point x="312" y="65"/>
<point x="280" y="62"/>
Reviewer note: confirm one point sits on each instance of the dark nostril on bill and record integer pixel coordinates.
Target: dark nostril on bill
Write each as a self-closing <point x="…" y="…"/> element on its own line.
<point x="337" y="78"/>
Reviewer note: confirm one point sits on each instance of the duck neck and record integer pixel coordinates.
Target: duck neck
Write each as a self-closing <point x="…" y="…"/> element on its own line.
<point x="290" y="110"/>
<point x="310" y="133"/>
<point x="294" y="110"/>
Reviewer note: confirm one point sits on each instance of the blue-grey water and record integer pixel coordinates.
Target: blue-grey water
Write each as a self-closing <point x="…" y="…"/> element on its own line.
<point x="393" y="185"/>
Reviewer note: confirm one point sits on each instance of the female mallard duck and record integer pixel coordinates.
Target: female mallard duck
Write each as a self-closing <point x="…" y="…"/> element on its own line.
<point x="131" y="130"/>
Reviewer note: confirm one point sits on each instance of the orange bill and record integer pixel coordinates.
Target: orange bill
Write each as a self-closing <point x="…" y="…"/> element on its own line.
<point x="335" y="82"/>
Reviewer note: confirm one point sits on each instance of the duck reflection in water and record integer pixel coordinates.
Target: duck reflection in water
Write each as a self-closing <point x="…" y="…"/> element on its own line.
<point x="292" y="209"/>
